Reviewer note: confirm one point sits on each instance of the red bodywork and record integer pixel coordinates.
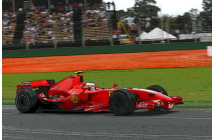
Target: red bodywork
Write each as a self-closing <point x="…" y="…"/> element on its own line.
<point x="72" y="93"/>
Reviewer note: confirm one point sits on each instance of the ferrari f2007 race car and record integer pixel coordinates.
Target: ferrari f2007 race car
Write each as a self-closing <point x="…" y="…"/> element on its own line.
<point x="73" y="93"/>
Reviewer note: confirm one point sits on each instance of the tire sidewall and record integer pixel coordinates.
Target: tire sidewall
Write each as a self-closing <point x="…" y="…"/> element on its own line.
<point x="129" y="102"/>
<point x="25" y="109"/>
<point x="31" y="99"/>
<point x="122" y="109"/>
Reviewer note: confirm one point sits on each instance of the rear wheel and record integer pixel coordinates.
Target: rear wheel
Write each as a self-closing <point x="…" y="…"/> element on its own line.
<point x="122" y="102"/>
<point x="158" y="89"/>
<point x="26" y="101"/>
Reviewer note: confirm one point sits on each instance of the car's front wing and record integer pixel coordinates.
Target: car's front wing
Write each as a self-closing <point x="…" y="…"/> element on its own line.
<point x="151" y="104"/>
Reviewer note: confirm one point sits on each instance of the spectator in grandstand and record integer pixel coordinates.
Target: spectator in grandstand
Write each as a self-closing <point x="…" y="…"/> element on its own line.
<point x="70" y="7"/>
<point x="52" y="6"/>
<point x="80" y="4"/>
<point x="41" y="7"/>
<point x="61" y="9"/>
<point x="37" y="11"/>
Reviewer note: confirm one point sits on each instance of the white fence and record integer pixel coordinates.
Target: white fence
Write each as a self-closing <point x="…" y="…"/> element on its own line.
<point x="204" y="37"/>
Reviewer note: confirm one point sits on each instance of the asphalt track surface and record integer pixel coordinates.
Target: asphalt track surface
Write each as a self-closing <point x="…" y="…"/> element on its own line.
<point x="177" y="124"/>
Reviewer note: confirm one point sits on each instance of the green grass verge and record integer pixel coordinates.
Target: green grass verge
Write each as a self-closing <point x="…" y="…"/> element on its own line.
<point x="194" y="105"/>
<point x="193" y="84"/>
<point x="8" y="102"/>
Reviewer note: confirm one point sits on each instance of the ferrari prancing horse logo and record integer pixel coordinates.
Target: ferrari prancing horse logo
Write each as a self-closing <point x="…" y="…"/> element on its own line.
<point x="110" y="92"/>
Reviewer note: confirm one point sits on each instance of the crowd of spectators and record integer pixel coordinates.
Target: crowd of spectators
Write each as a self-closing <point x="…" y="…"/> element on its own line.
<point x="94" y="16"/>
<point x="56" y="25"/>
<point x="45" y="27"/>
<point x="8" y="26"/>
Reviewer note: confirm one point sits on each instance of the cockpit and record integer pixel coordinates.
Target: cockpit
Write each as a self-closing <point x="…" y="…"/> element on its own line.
<point x="91" y="86"/>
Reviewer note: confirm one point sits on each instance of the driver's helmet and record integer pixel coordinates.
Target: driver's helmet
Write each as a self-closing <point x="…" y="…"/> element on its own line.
<point x="91" y="86"/>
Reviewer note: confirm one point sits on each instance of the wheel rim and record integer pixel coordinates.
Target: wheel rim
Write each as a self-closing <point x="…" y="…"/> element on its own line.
<point x="118" y="102"/>
<point x="22" y="102"/>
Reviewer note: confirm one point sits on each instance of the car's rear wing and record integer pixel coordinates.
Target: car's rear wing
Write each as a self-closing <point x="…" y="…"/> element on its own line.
<point x="35" y="84"/>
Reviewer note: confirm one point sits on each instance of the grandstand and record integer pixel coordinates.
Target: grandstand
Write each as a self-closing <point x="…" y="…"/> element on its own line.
<point x="61" y="22"/>
<point x="72" y="23"/>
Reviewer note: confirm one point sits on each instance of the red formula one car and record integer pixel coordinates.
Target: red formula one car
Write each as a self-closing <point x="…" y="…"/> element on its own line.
<point x="73" y="93"/>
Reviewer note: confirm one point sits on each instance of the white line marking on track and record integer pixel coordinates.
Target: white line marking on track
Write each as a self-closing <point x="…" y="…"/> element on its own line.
<point x="8" y="113"/>
<point x="176" y="118"/>
<point x="16" y="137"/>
<point x="50" y="132"/>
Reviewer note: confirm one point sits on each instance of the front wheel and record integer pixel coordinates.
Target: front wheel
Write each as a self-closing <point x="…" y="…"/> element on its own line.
<point x="26" y="101"/>
<point x="122" y="102"/>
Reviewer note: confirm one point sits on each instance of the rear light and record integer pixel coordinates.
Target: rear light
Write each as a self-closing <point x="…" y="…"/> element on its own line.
<point x="26" y="83"/>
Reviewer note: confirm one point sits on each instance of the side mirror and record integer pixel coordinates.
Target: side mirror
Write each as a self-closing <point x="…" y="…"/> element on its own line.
<point x="115" y="84"/>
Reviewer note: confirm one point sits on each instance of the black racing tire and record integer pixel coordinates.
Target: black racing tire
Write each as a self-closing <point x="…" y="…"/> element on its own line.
<point x="27" y="101"/>
<point x="122" y="102"/>
<point x="158" y="89"/>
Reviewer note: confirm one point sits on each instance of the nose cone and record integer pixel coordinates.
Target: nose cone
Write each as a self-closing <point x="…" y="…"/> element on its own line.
<point x="160" y="96"/>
